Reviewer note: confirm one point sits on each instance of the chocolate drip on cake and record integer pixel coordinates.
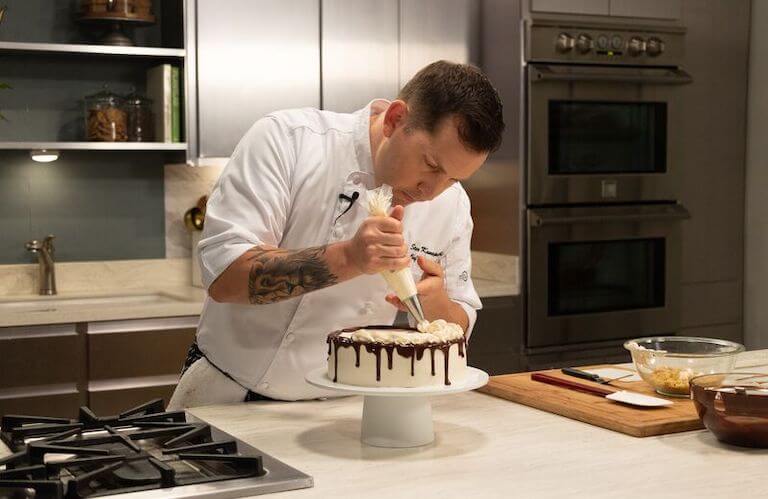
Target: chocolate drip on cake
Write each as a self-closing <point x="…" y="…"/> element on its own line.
<point x="375" y="349"/>
<point x="445" y="350"/>
<point x="356" y="346"/>
<point x="336" y="361"/>
<point x="413" y="352"/>
<point x="390" y="349"/>
<point x="432" y="354"/>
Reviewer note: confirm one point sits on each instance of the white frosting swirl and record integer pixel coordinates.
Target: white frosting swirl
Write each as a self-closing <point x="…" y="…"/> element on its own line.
<point x="438" y="331"/>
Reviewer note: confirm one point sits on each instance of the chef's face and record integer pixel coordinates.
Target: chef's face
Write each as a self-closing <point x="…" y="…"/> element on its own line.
<point x="419" y="165"/>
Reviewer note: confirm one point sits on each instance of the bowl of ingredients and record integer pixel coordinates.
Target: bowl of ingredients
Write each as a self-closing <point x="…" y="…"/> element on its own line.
<point x="668" y="363"/>
<point x="734" y="407"/>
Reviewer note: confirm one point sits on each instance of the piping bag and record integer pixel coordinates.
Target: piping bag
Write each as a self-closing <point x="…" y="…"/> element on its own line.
<point x="400" y="281"/>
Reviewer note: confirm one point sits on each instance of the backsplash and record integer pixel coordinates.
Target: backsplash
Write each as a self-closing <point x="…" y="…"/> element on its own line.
<point x="183" y="187"/>
<point x="100" y="205"/>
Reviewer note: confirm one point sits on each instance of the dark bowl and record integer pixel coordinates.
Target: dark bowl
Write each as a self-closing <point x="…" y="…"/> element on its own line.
<point x="733" y="406"/>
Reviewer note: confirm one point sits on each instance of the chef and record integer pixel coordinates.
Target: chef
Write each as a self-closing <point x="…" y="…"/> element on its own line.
<point x="289" y="253"/>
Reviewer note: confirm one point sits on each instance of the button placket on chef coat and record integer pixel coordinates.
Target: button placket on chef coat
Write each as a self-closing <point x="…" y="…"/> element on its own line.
<point x="343" y="227"/>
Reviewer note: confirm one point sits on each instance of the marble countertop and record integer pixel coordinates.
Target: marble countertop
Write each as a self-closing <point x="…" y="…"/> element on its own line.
<point x="102" y="306"/>
<point x="492" y="448"/>
<point x="173" y="302"/>
<point x="167" y="280"/>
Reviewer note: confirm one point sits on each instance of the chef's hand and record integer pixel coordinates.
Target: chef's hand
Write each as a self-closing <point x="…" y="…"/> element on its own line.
<point x="378" y="244"/>
<point x="434" y="299"/>
<point x="430" y="288"/>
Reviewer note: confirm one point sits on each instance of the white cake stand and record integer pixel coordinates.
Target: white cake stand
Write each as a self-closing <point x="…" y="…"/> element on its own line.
<point x="398" y="417"/>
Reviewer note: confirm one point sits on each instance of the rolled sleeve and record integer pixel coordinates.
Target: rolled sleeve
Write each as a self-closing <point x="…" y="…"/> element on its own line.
<point x="458" y="264"/>
<point x="250" y="203"/>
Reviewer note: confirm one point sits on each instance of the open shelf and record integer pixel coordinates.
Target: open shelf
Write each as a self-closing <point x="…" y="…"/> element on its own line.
<point x="83" y="49"/>
<point x="97" y="146"/>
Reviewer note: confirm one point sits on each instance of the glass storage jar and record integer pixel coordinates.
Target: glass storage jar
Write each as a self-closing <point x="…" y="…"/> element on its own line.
<point x="138" y="110"/>
<point x="105" y="118"/>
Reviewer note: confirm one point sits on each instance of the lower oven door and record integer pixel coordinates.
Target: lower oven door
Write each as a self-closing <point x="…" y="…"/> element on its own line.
<point x="602" y="273"/>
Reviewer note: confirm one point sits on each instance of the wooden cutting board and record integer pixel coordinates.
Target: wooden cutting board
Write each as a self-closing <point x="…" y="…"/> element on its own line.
<point x="596" y="410"/>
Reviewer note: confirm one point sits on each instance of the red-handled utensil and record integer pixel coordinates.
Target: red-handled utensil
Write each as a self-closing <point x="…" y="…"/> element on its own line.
<point x="623" y="396"/>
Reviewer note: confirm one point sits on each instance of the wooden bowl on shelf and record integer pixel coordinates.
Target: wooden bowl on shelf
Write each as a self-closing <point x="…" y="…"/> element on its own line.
<point x="117" y="10"/>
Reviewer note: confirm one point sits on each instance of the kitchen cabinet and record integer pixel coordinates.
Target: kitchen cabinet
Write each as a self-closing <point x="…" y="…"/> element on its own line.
<point x="360" y="50"/>
<point x="42" y="370"/>
<point x="111" y="366"/>
<point x="589" y="7"/>
<point x="650" y="9"/>
<point x="371" y="48"/>
<point x="431" y="30"/>
<point x="496" y="342"/>
<point x="130" y="362"/>
<point x="714" y="151"/>
<point x="252" y="57"/>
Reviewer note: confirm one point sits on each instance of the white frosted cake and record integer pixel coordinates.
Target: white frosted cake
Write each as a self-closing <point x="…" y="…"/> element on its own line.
<point x="385" y="356"/>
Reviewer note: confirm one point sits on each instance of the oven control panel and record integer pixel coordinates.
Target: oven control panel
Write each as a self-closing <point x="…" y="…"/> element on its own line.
<point x="564" y="43"/>
<point x="609" y="44"/>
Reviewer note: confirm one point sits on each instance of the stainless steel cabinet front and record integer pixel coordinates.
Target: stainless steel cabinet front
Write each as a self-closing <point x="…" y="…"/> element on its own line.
<point x="252" y="57"/>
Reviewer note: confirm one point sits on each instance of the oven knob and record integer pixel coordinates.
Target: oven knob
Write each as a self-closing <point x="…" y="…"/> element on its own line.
<point x="584" y="43"/>
<point x="602" y="42"/>
<point x="616" y="42"/>
<point x="654" y="47"/>
<point x="564" y="43"/>
<point x="636" y="46"/>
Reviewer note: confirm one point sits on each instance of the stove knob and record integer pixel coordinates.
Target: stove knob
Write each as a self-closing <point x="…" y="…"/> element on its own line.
<point x="654" y="47"/>
<point x="636" y="46"/>
<point x="584" y="43"/>
<point x="564" y="43"/>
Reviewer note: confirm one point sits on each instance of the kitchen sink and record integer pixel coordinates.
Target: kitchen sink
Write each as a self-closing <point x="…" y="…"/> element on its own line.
<point x="51" y="303"/>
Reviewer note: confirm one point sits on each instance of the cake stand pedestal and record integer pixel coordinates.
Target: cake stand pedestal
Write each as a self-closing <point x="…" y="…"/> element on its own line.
<point x="398" y="417"/>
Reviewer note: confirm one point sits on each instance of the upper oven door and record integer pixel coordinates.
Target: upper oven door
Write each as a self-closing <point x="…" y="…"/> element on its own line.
<point x="602" y="273"/>
<point x="602" y="134"/>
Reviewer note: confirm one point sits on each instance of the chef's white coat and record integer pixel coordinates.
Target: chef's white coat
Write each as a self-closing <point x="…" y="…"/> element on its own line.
<point x="281" y="188"/>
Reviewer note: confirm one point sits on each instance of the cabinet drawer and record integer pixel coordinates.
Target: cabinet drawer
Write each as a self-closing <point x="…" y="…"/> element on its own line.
<point x="60" y="401"/>
<point x="40" y="355"/>
<point x="125" y="354"/>
<point x="118" y="400"/>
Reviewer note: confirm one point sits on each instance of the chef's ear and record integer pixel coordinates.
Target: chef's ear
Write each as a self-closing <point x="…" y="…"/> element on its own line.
<point x="395" y="117"/>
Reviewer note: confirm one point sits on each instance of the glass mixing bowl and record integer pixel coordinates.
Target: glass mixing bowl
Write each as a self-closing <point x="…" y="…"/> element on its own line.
<point x="668" y="363"/>
<point x="733" y="406"/>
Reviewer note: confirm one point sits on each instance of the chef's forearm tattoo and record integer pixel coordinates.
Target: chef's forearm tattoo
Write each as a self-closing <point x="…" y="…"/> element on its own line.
<point x="278" y="274"/>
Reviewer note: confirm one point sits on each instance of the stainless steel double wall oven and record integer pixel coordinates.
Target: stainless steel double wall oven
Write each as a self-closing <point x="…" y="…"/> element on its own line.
<point x="603" y="162"/>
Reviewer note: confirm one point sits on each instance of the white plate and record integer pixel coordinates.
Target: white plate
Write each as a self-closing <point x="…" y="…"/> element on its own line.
<point x="475" y="378"/>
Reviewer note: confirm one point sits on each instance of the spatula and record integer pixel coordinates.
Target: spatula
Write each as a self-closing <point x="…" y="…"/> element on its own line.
<point x="623" y="396"/>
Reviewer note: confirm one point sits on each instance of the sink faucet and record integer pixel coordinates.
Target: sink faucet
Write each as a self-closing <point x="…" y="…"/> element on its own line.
<point x="44" y="252"/>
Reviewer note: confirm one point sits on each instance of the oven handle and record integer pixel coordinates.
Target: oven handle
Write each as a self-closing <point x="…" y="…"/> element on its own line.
<point x="539" y="218"/>
<point x="671" y="76"/>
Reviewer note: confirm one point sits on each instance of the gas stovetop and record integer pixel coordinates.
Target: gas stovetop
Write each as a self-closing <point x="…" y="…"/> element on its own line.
<point x="144" y="452"/>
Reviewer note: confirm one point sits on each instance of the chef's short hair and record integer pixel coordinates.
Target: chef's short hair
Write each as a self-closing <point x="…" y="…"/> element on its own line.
<point x="444" y="89"/>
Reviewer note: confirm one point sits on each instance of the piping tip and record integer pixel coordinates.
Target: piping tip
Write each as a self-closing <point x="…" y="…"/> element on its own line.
<point x="413" y="305"/>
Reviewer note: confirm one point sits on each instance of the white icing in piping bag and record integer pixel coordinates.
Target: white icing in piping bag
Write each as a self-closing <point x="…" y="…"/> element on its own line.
<point x="400" y="281"/>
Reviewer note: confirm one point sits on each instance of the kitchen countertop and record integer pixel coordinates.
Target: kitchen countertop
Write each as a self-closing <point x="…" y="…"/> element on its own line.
<point x="119" y="305"/>
<point x="488" y="447"/>
<point x="131" y="279"/>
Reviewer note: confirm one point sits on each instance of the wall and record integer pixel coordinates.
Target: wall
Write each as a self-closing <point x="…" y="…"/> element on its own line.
<point x="756" y="222"/>
<point x="100" y="205"/>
